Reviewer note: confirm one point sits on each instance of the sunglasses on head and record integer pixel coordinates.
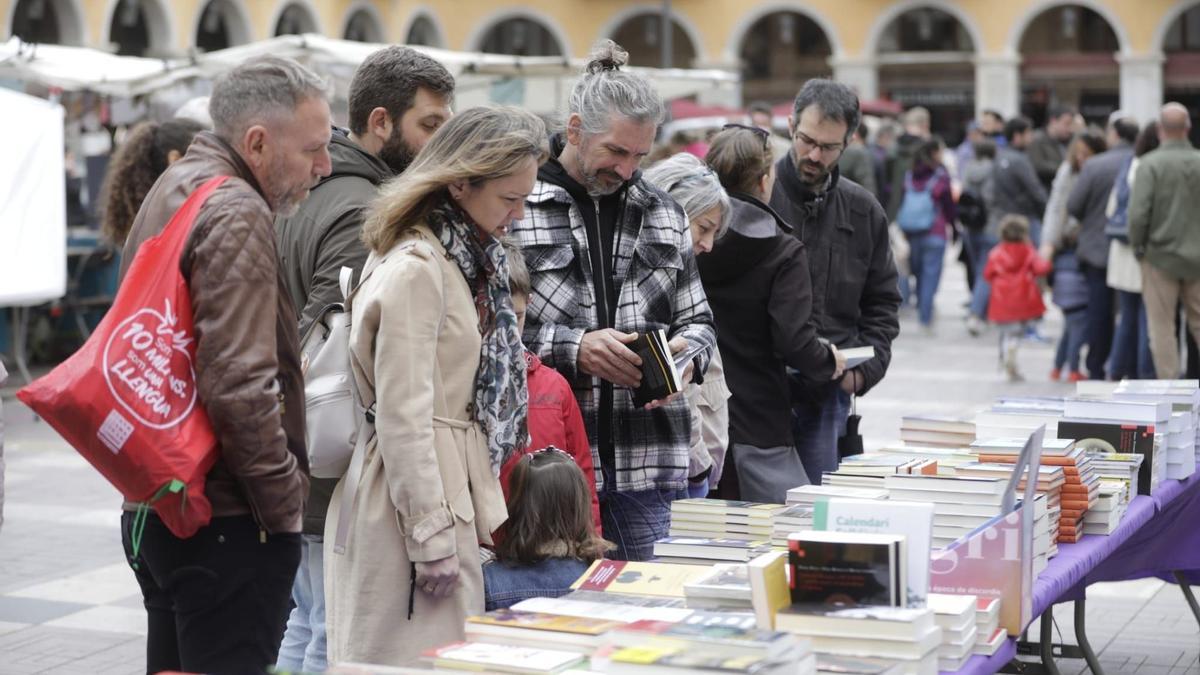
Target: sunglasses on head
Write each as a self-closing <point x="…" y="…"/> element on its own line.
<point x="758" y="130"/>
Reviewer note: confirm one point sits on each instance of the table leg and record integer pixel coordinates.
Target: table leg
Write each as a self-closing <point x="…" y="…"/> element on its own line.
<point x="1181" y="579"/>
<point x="1047" y="641"/>
<point x="1081" y="637"/>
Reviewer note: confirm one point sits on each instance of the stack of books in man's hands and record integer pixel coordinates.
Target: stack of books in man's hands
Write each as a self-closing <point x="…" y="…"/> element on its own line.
<point x="960" y="504"/>
<point x="955" y="614"/>
<point x="703" y="642"/>
<point x="937" y="431"/>
<point x="722" y="519"/>
<point x="988" y="633"/>
<point x="1080" y="487"/>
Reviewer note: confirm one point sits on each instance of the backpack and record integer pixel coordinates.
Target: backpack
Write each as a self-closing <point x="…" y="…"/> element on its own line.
<point x="334" y="416"/>
<point x="917" y="211"/>
<point x="972" y="210"/>
<point x="1117" y="226"/>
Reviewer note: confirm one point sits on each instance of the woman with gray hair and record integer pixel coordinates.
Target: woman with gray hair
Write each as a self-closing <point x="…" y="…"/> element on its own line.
<point x="758" y="286"/>
<point x="696" y="188"/>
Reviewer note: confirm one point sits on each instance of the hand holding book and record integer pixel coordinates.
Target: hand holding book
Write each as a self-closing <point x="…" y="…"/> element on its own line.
<point x="606" y="354"/>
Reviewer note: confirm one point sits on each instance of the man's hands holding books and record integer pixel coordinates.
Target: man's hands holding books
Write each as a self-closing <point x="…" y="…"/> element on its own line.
<point x="603" y="353"/>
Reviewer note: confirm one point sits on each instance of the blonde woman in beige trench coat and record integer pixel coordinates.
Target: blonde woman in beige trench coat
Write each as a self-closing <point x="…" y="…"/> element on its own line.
<point x="428" y="316"/>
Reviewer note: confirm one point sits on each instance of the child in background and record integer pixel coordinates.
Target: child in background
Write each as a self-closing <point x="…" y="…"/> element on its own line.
<point x="554" y="417"/>
<point x="550" y="539"/>
<point x="1012" y="270"/>
<point x="1070" y="294"/>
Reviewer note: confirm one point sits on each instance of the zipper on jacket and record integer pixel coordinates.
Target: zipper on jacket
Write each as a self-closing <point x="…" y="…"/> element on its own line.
<point x="603" y="272"/>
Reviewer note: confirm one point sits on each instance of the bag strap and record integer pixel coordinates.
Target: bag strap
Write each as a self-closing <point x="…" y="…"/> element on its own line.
<point x="176" y="232"/>
<point x="346" y="281"/>
<point x="366" y="431"/>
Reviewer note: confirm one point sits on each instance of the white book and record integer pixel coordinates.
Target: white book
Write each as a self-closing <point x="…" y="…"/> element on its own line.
<point x="1138" y="412"/>
<point x="888" y="649"/>
<point x="856" y="356"/>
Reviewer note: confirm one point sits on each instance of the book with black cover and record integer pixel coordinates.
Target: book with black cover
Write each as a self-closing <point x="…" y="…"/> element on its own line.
<point x="660" y="376"/>
<point x="847" y="569"/>
<point x="1110" y="437"/>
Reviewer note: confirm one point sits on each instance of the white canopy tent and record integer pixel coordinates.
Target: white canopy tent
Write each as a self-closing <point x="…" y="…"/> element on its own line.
<point x="540" y="84"/>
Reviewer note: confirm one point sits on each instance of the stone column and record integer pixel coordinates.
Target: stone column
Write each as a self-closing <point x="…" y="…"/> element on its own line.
<point x="860" y="73"/>
<point x="997" y="84"/>
<point x="1141" y="85"/>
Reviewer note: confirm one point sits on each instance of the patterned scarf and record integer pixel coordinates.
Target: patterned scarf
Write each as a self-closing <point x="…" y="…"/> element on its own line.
<point x="501" y="395"/>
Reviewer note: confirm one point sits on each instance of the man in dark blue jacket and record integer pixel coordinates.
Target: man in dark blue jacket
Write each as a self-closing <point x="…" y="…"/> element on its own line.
<point x="845" y="234"/>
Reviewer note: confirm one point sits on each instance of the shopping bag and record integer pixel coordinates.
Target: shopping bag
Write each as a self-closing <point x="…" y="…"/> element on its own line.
<point x="127" y="399"/>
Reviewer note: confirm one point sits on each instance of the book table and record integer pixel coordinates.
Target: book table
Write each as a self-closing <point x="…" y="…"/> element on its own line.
<point x="1158" y="537"/>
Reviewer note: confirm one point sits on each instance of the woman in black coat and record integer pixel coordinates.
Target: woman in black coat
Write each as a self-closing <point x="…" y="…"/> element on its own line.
<point x="758" y="287"/>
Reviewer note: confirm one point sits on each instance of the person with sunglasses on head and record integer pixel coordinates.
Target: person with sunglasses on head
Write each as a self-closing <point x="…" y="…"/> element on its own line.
<point x="758" y="286"/>
<point x="610" y="257"/>
<point x="855" y="298"/>
<point x="551" y="538"/>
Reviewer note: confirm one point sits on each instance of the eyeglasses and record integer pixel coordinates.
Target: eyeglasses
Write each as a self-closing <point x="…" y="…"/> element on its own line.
<point x="827" y="149"/>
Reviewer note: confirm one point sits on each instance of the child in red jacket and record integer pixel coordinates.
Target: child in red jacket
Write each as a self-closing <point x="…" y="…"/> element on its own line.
<point x="1013" y="268"/>
<point x="554" y="417"/>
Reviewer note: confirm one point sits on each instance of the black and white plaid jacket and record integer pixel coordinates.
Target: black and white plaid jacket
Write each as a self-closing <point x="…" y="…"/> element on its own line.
<point x="659" y="287"/>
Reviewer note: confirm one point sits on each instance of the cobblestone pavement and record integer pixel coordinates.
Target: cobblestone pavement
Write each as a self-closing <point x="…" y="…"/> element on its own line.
<point x="69" y="604"/>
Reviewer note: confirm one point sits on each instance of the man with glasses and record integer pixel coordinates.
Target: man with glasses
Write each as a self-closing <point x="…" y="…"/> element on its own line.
<point x="845" y="234"/>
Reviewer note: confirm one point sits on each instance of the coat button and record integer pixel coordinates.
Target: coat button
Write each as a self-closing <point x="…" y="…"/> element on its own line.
<point x="220" y="539"/>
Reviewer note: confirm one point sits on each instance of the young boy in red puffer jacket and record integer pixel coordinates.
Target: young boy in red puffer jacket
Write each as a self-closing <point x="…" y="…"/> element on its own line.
<point x="554" y="417"/>
<point x="1013" y="268"/>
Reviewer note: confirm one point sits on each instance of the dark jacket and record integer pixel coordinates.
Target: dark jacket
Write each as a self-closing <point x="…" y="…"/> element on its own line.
<point x="858" y="165"/>
<point x="900" y="162"/>
<point x="247" y="348"/>
<point x="759" y="288"/>
<point x="1089" y="199"/>
<point x="845" y="232"/>
<point x="1046" y="154"/>
<point x="1017" y="188"/>
<point x="315" y="244"/>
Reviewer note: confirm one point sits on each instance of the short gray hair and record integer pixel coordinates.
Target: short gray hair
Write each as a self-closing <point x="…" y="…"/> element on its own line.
<point x="692" y="184"/>
<point x="604" y="89"/>
<point x="259" y="89"/>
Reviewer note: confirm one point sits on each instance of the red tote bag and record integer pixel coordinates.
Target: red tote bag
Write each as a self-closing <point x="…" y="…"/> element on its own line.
<point x="127" y="399"/>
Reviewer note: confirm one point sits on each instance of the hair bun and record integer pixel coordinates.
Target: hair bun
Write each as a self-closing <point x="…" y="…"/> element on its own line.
<point x="606" y="56"/>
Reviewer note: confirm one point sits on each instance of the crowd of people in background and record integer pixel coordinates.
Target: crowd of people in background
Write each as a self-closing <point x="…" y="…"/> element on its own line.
<point x="503" y="272"/>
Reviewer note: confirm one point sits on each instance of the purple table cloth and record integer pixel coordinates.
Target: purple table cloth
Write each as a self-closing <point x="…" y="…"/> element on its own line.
<point x="1158" y="535"/>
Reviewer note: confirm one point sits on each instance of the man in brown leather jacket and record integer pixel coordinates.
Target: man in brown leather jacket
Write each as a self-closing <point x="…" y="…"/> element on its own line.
<point x="218" y="601"/>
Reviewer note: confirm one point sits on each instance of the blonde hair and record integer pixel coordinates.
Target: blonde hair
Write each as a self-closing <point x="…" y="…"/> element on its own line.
<point x="741" y="157"/>
<point x="476" y="146"/>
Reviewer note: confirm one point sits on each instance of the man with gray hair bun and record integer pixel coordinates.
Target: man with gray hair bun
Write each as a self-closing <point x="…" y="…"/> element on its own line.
<point x="217" y="602"/>
<point x="610" y="256"/>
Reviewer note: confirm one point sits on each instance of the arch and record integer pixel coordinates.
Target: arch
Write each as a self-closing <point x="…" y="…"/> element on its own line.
<point x="70" y="20"/>
<point x="898" y="9"/>
<point x="237" y="21"/>
<point x="430" y="18"/>
<point x="369" y="21"/>
<point x="308" y="15"/>
<point x="1169" y="18"/>
<point x="688" y="27"/>
<point x="1012" y="46"/>
<point x="733" y="46"/>
<point x="160" y="23"/>
<point x="476" y="39"/>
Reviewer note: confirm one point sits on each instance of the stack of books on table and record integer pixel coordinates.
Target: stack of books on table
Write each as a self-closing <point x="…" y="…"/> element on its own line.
<point x="948" y="459"/>
<point x="706" y="551"/>
<point x="1106" y="514"/>
<point x="1118" y="467"/>
<point x="1101" y="425"/>
<point x="1181" y="446"/>
<point x="1081" y="483"/>
<point x="722" y="519"/>
<point x="795" y="518"/>
<point x="724" y="587"/>
<point x="937" y="431"/>
<point x="869" y="469"/>
<point x="955" y="614"/>
<point x="908" y="636"/>
<point x="960" y="504"/>
<point x="1013" y="422"/>
<point x="1051" y="480"/>
<point x="702" y="642"/>
<point x="538" y="629"/>
<point x="806" y="495"/>
<point x="988" y="633"/>
<point x="502" y="658"/>
<point x="1183" y="395"/>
